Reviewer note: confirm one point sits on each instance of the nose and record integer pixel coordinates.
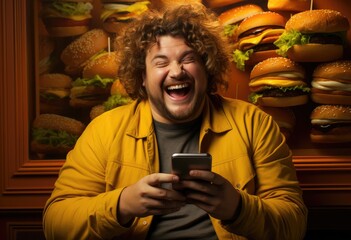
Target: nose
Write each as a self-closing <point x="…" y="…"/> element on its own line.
<point x="176" y="70"/>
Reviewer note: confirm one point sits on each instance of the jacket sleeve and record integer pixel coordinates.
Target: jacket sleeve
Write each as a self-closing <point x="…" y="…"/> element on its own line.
<point x="80" y="207"/>
<point x="276" y="210"/>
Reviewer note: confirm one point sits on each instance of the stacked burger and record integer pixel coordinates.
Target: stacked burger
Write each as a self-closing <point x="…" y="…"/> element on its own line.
<point x="318" y="36"/>
<point x="311" y="39"/>
<point x="331" y="89"/>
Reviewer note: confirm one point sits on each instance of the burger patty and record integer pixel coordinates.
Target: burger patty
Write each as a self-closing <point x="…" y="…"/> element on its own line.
<point x="256" y="31"/>
<point x="264" y="47"/>
<point x="325" y="39"/>
<point x="277" y="92"/>
<point x="329" y="127"/>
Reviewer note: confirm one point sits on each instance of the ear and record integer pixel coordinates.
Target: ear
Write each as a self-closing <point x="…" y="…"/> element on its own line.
<point x="144" y="77"/>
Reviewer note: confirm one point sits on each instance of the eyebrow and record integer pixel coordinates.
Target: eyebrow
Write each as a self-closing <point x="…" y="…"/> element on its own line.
<point x="162" y="56"/>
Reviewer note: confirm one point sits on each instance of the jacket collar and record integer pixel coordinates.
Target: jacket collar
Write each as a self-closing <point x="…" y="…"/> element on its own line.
<point x="215" y="119"/>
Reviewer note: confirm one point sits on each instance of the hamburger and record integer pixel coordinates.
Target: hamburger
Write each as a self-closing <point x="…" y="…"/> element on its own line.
<point x="314" y="36"/>
<point x="118" y="97"/>
<point x="255" y="37"/>
<point x="278" y="82"/>
<point x="331" y="124"/>
<point x="116" y="14"/>
<point x="289" y="5"/>
<point x="94" y="86"/>
<point x="331" y="83"/>
<point x="55" y="134"/>
<point x="231" y="18"/>
<point x="76" y="54"/>
<point x="63" y="18"/>
<point x="284" y="117"/>
<point x="54" y="89"/>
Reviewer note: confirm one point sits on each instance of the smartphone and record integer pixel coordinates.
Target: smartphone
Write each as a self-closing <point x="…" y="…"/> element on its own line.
<point x="182" y="163"/>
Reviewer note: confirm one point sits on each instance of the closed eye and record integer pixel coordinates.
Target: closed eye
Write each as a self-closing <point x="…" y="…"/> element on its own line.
<point x="189" y="59"/>
<point x="161" y="64"/>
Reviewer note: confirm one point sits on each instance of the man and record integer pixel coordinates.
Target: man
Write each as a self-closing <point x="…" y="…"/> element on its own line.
<point x="117" y="182"/>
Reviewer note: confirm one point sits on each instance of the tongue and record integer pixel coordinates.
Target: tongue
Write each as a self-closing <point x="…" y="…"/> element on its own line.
<point x="179" y="92"/>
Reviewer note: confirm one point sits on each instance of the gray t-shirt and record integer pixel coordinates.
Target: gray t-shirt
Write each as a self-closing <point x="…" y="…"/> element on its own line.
<point x="190" y="222"/>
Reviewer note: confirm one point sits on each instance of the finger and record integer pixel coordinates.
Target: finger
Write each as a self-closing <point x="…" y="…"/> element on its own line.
<point x="163" y="194"/>
<point x="208" y="176"/>
<point x="156" y="179"/>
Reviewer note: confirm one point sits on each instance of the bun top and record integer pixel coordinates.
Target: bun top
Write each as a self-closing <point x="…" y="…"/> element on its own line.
<point x="104" y="65"/>
<point x="59" y="123"/>
<point x="318" y="20"/>
<point x="261" y="19"/>
<point x="340" y="70"/>
<point x="55" y="80"/>
<point x="277" y="65"/>
<point x="332" y="112"/>
<point x="237" y="14"/>
<point x="81" y="49"/>
<point x="289" y="5"/>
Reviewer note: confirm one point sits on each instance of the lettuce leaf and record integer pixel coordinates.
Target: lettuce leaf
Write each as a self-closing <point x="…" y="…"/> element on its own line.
<point x="72" y="8"/>
<point x="95" y="81"/>
<point x="53" y="137"/>
<point x="254" y="96"/>
<point x="230" y="29"/>
<point x="239" y="57"/>
<point x="293" y="37"/>
<point x="288" y="39"/>
<point x="116" y="100"/>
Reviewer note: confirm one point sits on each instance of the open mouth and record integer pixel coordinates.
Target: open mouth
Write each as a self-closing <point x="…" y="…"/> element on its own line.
<point x="178" y="90"/>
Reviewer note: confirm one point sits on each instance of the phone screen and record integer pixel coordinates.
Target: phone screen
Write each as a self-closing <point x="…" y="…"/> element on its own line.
<point x="182" y="163"/>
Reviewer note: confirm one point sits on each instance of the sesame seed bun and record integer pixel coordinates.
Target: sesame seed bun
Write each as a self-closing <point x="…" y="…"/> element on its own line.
<point x="276" y="65"/>
<point x="78" y="52"/>
<point x="259" y="20"/>
<point x="331" y="124"/>
<point x="331" y="83"/>
<point x="238" y="14"/>
<point x="105" y="65"/>
<point x="318" y="20"/>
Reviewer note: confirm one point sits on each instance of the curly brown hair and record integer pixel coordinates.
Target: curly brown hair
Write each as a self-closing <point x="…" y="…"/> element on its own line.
<point x="196" y="24"/>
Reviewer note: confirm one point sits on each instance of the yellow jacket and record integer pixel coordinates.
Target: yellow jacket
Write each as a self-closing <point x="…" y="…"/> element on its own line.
<point x="119" y="147"/>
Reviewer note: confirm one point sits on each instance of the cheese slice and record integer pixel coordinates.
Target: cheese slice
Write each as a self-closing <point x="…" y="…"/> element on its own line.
<point x="277" y="82"/>
<point x="137" y="8"/>
<point x="257" y="39"/>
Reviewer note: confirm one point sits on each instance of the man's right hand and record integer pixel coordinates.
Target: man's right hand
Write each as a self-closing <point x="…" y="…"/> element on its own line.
<point x="147" y="197"/>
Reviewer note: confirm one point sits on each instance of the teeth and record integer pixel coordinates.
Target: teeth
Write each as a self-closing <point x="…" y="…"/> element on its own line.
<point x="175" y="87"/>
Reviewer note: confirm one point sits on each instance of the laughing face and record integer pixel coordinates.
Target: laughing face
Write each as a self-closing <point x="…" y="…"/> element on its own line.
<point x="175" y="81"/>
